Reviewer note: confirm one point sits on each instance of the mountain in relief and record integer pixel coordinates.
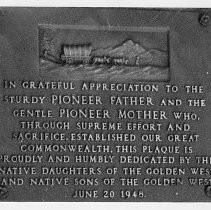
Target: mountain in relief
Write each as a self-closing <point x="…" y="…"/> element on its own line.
<point x="134" y="51"/>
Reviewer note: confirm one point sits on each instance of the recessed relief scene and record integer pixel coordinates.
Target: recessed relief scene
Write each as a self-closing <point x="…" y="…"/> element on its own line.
<point x="101" y="53"/>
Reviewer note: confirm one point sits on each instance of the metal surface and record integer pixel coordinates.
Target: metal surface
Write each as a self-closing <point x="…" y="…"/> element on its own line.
<point x="87" y="97"/>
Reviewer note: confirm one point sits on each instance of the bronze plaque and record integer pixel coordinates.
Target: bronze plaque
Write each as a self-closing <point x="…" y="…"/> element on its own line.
<point x="105" y="104"/>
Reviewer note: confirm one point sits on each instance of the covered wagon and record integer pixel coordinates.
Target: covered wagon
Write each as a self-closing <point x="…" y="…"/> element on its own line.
<point x="76" y="54"/>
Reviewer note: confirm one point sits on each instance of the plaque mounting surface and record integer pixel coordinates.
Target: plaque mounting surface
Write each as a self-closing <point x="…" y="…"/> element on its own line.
<point x="105" y="104"/>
